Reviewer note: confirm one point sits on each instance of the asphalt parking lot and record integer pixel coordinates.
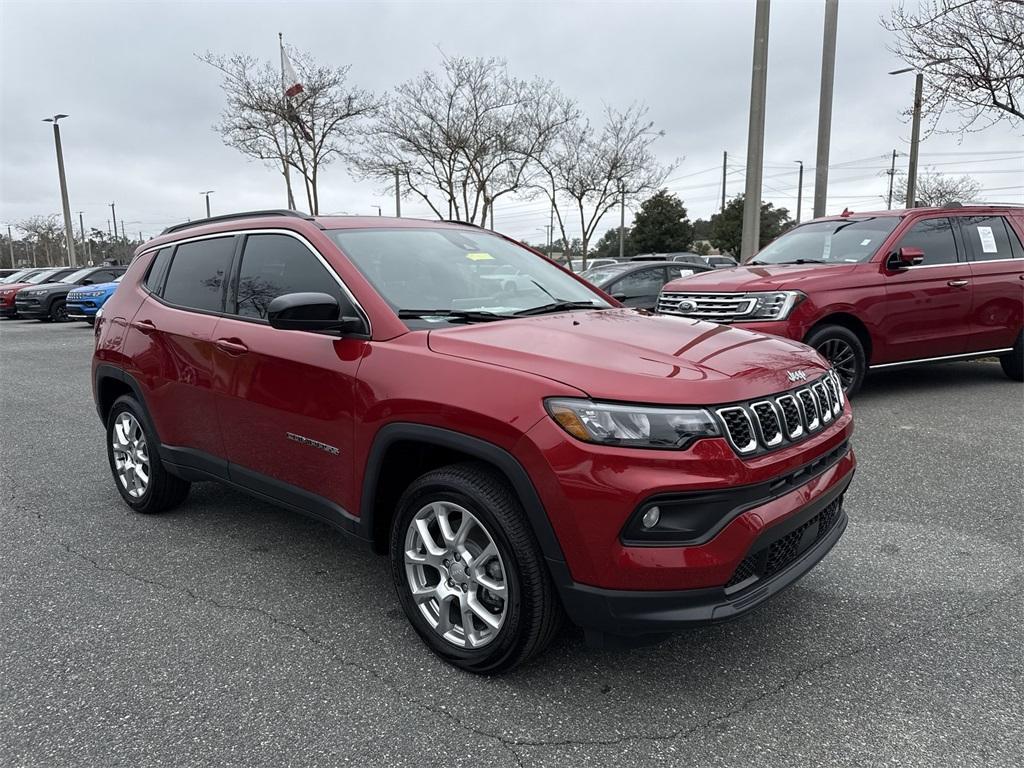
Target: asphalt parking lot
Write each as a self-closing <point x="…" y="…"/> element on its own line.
<point x="233" y="633"/>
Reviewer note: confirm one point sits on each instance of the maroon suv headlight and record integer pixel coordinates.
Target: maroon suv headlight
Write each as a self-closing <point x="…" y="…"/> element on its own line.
<point x="633" y="426"/>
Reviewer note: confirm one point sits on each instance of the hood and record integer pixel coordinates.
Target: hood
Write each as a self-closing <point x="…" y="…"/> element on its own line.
<point x="13" y="287"/>
<point x="636" y="356"/>
<point x="98" y="289"/>
<point x="48" y="289"/>
<point x="768" y="278"/>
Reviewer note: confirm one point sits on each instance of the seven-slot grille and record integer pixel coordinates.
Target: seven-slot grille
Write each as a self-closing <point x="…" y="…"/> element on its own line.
<point x="706" y="306"/>
<point x="771" y="422"/>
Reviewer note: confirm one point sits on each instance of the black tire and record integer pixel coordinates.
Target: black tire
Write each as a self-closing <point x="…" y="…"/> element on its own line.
<point x="843" y="350"/>
<point x="163" y="491"/>
<point x="1013" y="363"/>
<point x="533" y="613"/>
<point x="59" y="311"/>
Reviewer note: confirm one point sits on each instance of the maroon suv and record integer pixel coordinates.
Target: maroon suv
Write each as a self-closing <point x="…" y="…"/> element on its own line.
<point x="522" y="449"/>
<point x="877" y="290"/>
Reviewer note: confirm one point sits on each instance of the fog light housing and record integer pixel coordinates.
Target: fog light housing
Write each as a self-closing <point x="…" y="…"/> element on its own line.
<point x="651" y="517"/>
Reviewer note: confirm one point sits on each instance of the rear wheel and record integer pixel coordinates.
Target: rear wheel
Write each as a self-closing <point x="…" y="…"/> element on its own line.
<point x="141" y="478"/>
<point x="844" y="352"/>
<point x="1013" y="363"/>
<point x="469" y="573"/>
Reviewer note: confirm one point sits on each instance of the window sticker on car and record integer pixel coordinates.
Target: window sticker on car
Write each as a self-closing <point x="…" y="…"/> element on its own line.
<point x="865" y="241"/>
<point x="479" y="256"/>
<point x="988" y="242"/>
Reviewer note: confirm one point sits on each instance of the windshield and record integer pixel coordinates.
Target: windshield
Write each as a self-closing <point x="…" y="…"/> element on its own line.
<point x="42" y="276"/>
<point x="74" y="277"/>
<point x="16" y="276"/>
<point x="476" y="275"/>
<point x="598" y="275"/>
<point x="840" y="241"/>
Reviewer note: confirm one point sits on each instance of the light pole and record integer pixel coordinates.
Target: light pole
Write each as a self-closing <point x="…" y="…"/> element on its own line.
<point x="915" y="132"/>
<point x="799" y="189"/>
<point x="751" y="238"/>
<point x="85" y="243"/>
<point x="207" y="194"/>
<point x="69" y="233"/>
<point x="828" y="73"/>
<point x="622" y="221"/>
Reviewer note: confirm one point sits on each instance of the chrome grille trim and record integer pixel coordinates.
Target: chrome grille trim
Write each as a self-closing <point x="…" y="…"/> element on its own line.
<point x="721" y="307"/>
<point x="810" y="412"/>
<point x="793" y="432"/>
<point x="824" y="403"/>
<point x="760" y="424"/>
<point x="742" y="449"/>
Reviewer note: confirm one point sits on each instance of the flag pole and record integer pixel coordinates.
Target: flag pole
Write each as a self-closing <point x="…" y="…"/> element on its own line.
<point x="284" y="113"/>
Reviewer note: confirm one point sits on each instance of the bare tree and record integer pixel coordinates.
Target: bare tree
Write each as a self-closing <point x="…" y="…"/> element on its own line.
<point x="45" y="234"/>
<point x="938" y="189"/>
<point x="971" y="53"/>
<point x="320" y="122"/>
<point x="585" y="173"/>
<point x="465" y="136"/>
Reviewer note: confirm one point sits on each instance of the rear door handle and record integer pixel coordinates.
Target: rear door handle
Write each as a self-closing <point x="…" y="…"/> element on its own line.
<point x="146" y="326"/>
<point x="232" y="346"/>
<point x="957" y="283"/>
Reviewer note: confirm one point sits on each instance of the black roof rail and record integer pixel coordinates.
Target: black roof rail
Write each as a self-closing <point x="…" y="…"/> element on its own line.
<point x="241" y="215"/>
<point x="465" y="223"/>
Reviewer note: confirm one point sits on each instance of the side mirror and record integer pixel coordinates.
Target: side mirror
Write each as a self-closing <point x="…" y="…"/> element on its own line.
<point x="87" y="281"/>
<point x="313" y="312"/>
<point x="906" y="257"/>
<point x="619" y="296"/>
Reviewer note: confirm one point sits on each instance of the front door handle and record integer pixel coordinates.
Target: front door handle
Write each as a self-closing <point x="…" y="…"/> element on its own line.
<point x="146" y="326"/>
<point x="232" y="346"/>
<point x="957" y="283"/>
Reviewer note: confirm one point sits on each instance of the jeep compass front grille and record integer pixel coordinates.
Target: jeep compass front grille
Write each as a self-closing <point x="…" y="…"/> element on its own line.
<point x="773" y="422"/>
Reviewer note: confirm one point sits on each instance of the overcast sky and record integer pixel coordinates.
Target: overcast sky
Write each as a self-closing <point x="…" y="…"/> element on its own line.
<point x="141" y="106"/>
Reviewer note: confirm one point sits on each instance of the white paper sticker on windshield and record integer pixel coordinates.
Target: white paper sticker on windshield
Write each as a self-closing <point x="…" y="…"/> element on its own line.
<point x="865" y="241"/>
<point x="988" y="242"/>
<point x="826" y="251"/>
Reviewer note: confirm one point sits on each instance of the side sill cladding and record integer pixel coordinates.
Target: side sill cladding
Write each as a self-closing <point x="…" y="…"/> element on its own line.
<point x="498" y="457"/>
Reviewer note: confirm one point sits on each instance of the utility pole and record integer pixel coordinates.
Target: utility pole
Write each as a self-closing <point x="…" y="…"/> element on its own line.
<point x="123" y="235"/>
<point x="69" y="232"/>
<point x="755" y="134"/>
<point x="551" y="231"/>
<point x="915" y="141"/>
<point x="622" y="221"/>
<point x="10" y="244"/>
<point x="207" y="194"/>
<point x="799" y="189"/>
<point x="725" y="160"/>
<point x="113" y="213"/>
<point x="828" y="73"/>
<point x="398" y="195"/>
<point x="85" y="243"/>
<point x="892" y="175"/>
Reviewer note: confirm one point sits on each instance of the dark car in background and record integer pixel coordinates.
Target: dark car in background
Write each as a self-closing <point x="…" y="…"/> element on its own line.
<point x="638" y="283"/>
<point x="9" y="291"/>
<point x="18" y="275"/>
<point x="49" y="301"/>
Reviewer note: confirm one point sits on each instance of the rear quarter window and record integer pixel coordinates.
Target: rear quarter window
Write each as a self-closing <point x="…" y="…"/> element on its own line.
<point x="989" y="238"/>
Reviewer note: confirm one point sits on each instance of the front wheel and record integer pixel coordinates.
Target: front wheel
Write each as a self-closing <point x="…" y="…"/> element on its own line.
<point x="1013" y="363"/>
<point x="844" y="352"/>
<point x="59" y="312"/>
<point x="469" y="573"/>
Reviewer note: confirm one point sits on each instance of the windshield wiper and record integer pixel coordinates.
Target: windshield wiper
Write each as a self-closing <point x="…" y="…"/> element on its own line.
<point x="802" y="261"/>
<point x="467" y="315"/>
<point x="559" y="305"/>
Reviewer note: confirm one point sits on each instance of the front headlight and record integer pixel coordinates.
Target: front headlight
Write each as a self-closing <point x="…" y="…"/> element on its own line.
<point x="634" y="426"/>
<point x="774" y="305"/>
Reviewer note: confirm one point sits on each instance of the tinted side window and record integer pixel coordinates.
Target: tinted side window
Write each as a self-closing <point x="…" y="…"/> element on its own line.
<point x="987" y="237"/>
<point x="642" y="283"/>
<point x="935" y="238"/>
<point x="157" y="269"/>
<point x="103" y="276"/>
<point x="197" y="273"/>
<point x="273" y="265"/>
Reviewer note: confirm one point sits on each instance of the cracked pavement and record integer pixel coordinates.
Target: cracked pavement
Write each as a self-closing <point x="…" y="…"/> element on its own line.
<point x="232" y="633"/>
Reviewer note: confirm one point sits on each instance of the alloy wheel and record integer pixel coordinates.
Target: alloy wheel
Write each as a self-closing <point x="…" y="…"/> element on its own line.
<point x="843" y="359"/>
<point x="131" y="454"/>
<point x="456" y="574"/>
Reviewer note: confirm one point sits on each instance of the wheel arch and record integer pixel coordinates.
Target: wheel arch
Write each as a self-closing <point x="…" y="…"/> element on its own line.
<point x="852" y="323"/>
<point x="111" y="383"/>
<point x="401" y="452"/>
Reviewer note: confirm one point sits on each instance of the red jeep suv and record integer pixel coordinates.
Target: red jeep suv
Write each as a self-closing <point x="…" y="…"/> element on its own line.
<point x="522" y="450"/>
<point x="877" y="290"/>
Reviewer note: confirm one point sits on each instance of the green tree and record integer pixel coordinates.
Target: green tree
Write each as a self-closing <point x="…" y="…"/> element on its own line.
<point x="701" y="229"/>
<point x="727" y="226"/>
<point x="661" y="225"/>
<point x="608" y="246"/>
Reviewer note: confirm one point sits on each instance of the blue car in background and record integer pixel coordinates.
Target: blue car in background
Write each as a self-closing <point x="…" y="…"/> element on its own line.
<point x="84" y="302"/>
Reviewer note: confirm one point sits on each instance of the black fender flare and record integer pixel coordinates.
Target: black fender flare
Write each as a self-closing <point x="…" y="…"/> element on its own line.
<point x="108" y="371"/>
<point x="498" y="457"/>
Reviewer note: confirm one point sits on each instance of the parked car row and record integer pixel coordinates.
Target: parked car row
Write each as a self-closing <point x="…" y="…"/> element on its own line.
<point x="51" y="294"/>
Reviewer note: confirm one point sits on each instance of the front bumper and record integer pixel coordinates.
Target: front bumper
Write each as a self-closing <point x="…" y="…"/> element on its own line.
<point x="30" y="309"/>
<point x="779" y="557"/>
<point x="81" y="310"/>
<point x="8" y="310"/>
